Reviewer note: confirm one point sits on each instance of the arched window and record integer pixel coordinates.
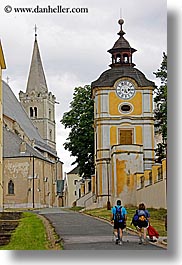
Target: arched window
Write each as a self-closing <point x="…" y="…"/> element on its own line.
<point x="50" y="134"/>
<point x="35" y="111"/>
<point x="125" y="58"/>
<point x="49" y="114"/>
<point x="118" y="58"/>
<point x="10" y="187"/>
<point x="31" y="112"/>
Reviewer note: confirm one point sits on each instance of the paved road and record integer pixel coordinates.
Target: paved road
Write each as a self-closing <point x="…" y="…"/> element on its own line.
<point x="81" y="232"/>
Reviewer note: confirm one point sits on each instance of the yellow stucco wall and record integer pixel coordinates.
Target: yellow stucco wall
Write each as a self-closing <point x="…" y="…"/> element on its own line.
<point x="115" y="101"/>
<point x="153" y="194"/>
<point x="155" y="172"/>
<point x="146" y="174"/>
<point x="139" y="135"/>
<point x="93" y="184"/>
<point x="123" y="180"/>
<point x="121" y="175"/>
<point x="125" y="173"/>
<point x="164" y="167"/>
<point x="114" y="137"/>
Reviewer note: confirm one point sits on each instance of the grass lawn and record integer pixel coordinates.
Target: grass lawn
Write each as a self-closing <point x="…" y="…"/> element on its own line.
<point x="157" y="217"/>
<point x="29" y="235"/>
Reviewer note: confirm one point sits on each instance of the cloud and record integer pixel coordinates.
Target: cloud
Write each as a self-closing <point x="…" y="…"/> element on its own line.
<point x="74" y="47"/>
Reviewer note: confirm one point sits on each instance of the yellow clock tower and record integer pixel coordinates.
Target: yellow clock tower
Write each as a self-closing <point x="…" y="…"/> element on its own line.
<point x="124" y="125"/>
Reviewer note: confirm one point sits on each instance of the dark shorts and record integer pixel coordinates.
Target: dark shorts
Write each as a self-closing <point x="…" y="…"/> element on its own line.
<point x="142" y="224"/>
<point x="121" y="225"/>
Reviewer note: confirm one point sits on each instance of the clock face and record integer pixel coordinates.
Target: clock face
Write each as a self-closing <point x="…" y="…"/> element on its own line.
<point x="125" y="89"/>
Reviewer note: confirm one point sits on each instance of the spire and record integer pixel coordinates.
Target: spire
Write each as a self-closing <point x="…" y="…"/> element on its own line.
<point x="121" y="51"/>
<point x="121" y="22"/>
<point x="36" y="78"/>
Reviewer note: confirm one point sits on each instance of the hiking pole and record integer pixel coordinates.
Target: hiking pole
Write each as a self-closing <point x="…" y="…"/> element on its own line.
<point x="113" y="235"/>
<point x="127" y="233"/>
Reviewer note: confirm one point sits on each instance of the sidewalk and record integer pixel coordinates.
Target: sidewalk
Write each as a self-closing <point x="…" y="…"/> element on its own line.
<point x="80" y="231"/>
<point x="161" y="241"/>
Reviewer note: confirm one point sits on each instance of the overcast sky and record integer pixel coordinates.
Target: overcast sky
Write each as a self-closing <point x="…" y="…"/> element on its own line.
<point x="74" y="47"/>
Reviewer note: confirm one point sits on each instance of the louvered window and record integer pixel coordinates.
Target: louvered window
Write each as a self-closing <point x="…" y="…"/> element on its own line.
<point x="126" y="136"/>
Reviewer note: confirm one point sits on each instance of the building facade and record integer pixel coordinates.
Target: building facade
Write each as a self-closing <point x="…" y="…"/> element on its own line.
<point x="2" y="66"/>
<point x="124" y="125"/>
<point x="71" y="190"/>
<point x="32" y="170"/>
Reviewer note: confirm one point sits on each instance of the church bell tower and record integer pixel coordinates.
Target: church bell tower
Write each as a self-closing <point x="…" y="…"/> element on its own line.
<point x="124" y="125"/>
<point x="37" y="101"/>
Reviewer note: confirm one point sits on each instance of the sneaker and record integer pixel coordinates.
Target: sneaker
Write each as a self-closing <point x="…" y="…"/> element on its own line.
<point x="140" y="241"/>
<point x="117" y="241"/>
<point x="120" y="243"/>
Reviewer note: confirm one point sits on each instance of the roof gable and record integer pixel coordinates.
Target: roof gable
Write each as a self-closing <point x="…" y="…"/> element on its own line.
<point x="14" y="110"/>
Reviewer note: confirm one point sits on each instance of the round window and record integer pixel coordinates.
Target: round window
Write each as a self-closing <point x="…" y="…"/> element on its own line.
<point x="125" y="108"/>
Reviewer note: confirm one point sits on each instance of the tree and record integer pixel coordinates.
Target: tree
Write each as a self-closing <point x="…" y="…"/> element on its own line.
<point x="160" y="112"/>
<point x="80" y="141"/>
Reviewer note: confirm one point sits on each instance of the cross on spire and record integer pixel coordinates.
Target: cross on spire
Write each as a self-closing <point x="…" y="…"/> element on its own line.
<point x="35" y="29"/>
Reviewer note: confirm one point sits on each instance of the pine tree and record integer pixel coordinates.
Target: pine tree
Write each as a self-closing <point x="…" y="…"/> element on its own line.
<point x="160" y="112"/>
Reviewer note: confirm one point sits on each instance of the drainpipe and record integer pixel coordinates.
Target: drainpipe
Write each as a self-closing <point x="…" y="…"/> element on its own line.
<point x="33" y="198"/>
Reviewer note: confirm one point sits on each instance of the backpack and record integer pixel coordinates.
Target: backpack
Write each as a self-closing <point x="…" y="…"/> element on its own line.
<point x="142" y="215"/>
<point x="118" y="215"/>
<point x="135" y="219"/>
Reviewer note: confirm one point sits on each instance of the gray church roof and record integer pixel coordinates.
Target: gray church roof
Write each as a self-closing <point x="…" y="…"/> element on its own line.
<point x="11" y="146"/>
<point x="36" y="79"/>
<point x="13" y="109"/>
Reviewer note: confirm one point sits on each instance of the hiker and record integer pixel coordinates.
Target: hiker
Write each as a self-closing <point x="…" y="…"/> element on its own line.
<point x="119" y="217"/>
<point x="141" y="222"/>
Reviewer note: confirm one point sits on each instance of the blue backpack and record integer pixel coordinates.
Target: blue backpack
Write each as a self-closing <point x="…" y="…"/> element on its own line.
<point x="135" y="219"/>
<point x="118" y="215"/>
<point x="140" y="215"/>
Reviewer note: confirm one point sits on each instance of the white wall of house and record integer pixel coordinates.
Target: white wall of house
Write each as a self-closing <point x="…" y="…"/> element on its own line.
<point x="71" y="191"/>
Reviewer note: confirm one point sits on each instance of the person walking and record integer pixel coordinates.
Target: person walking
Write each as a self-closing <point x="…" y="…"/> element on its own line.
<point x="119" y="216"/>
<point x="142" y="223"/>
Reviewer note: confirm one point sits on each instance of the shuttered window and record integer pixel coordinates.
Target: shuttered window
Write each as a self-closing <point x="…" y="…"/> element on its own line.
<point x="126" y="136"/>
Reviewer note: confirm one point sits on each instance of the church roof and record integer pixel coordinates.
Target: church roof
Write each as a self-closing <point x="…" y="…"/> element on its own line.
<point x="11" y="146"/>
<point x="121" y="43"/>
<point x="109" y="77"/>
<point x="13" y="109"/>
<point x="36" y="78"/>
